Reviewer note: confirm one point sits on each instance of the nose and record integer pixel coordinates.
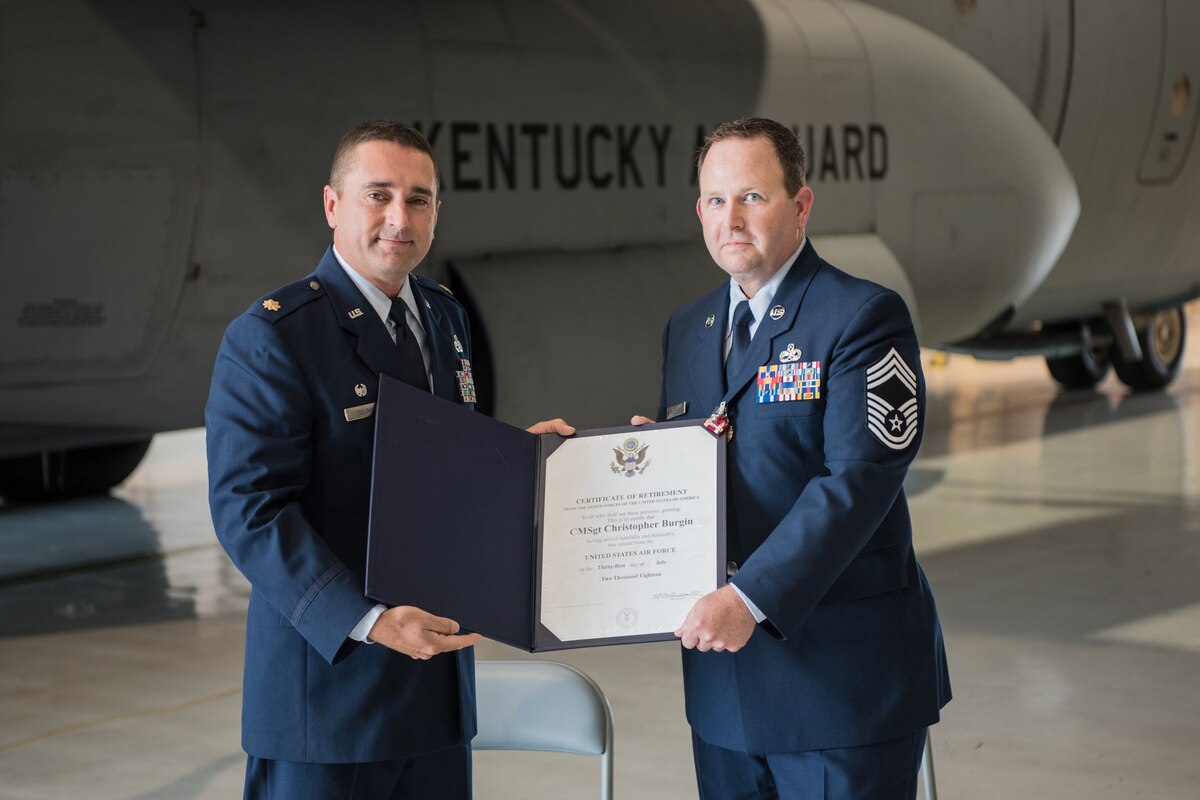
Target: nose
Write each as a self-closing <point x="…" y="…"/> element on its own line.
<point x="397" y="213"/>
<point x="733" y="216"/>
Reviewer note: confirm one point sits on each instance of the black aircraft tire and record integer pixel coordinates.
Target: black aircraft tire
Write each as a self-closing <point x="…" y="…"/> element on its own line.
<point x="60" y="474"/>
<point x="1162" y="341"/>
<point x="1082" y="370"/>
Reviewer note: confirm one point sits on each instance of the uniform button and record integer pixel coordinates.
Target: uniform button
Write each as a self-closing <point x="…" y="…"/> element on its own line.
<point x="731" y="569"/>
<point x="314" y="285"/>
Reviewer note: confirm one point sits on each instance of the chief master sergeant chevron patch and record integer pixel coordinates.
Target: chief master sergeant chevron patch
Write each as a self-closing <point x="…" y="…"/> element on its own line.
<point x="892" y="401"/>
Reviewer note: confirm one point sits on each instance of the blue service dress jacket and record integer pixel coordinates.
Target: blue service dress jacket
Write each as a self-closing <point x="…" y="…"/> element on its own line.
<point x="289" y="463"/>
<point x="827" y="412"/>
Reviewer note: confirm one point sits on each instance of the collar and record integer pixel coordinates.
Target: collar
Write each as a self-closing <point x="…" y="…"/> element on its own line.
<point x="763" y="297"/>
<point x="375" y="296"/>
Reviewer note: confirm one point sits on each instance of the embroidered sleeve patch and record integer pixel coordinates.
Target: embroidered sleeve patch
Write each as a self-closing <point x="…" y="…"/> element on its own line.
<point x="892" y="401"/>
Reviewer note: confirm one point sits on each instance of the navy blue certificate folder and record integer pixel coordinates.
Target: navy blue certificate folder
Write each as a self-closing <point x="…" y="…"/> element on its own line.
<point x="454" y="518"/>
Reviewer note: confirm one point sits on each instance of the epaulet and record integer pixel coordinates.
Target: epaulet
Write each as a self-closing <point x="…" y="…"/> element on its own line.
<point x="286" y="299"/>
<point x="429" y="283"/>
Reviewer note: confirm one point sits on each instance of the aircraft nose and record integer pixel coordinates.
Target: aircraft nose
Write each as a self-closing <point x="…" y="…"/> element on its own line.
<point x="976" y="203"/>
<point x="983" y="204"/>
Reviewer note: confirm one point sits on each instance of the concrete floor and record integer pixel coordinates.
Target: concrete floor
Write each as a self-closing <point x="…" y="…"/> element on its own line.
<point x="1059" y="531"/>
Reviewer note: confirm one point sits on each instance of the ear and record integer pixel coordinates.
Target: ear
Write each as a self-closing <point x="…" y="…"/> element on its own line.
<point x="699" y="206"/>
<point x="804" y="204"/>
<point x="330" y="203"/>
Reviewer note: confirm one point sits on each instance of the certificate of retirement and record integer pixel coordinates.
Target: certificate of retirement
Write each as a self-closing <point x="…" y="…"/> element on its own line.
<point x="630" y="531"/>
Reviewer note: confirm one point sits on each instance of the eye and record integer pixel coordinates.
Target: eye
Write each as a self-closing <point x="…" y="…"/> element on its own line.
<point x="418" y="201"/>
<point x="753" y="197"/>
<point x="378" y="197"/>
<point x="716" y="201"/>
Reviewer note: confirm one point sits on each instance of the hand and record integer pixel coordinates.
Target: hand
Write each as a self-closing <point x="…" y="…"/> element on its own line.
<point x="552" y="426"/>
<point x="638" y="419"/>
<point x="418" y="634"/>
<point x="719" y="621"/>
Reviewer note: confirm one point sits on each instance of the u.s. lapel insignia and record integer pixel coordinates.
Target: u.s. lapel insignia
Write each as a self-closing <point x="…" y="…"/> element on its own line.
<point x="892" y="401"/>
<point x="271" y="304"/>
<point x="458" y="348"/>
<point x="708" y="323"/>
<point x="790" y="354"/>
<point x="360" y="389"/>
<point x="777" y="312"/>
<point x="354" y="313"/>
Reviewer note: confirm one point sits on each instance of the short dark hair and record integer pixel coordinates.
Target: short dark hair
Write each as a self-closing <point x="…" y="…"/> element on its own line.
<point x="377" y="130"/>
<point x="787" y="146"/>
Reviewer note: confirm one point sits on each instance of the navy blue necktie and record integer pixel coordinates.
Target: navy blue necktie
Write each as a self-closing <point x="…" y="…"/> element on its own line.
<point x="412" y="369"/>
<point x="742" y="319"/>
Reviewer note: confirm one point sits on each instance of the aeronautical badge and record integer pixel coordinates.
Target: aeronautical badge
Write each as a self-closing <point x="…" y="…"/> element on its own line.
<point x="892" y="401"/>
<point x="631" y="458"/>
<point x="271" y="305"/>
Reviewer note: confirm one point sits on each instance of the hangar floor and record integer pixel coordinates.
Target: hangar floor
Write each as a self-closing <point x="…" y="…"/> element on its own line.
<point x="1060" y="533"/>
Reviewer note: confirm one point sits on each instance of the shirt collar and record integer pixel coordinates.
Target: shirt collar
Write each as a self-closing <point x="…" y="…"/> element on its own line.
<point x="375" y="296"/>
<point x="763" y="297"/>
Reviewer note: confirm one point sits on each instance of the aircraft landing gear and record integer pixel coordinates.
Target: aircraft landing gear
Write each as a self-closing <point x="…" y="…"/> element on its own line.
<point x="1162" y="338"/>
<point x="59" y="474"/>
<point x="1084" y="369"/>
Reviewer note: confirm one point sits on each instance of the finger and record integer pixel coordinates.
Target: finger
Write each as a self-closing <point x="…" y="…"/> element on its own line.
<point x="440" y="625"/>
<point x="638" y="419"/>
<point x="558" y="426"/>
<point x="448" y="644"/>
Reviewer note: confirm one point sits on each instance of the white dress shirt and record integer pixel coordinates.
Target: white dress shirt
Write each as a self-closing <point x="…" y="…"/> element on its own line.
<point x="759" y="304"/>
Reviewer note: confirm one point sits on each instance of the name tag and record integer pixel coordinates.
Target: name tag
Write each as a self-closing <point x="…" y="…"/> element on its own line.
<point x="781" y="383"/>
<point x="359" y="412"/>
<point x="677" y="410"/>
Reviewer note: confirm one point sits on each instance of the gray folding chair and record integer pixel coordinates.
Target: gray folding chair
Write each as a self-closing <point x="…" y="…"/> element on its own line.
<point x="547" y="706"/>
<point x="928" y="780"/>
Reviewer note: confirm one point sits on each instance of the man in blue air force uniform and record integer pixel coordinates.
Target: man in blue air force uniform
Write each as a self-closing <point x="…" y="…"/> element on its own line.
<point x="343" y="698"/>
<point x="816" y="671"/>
